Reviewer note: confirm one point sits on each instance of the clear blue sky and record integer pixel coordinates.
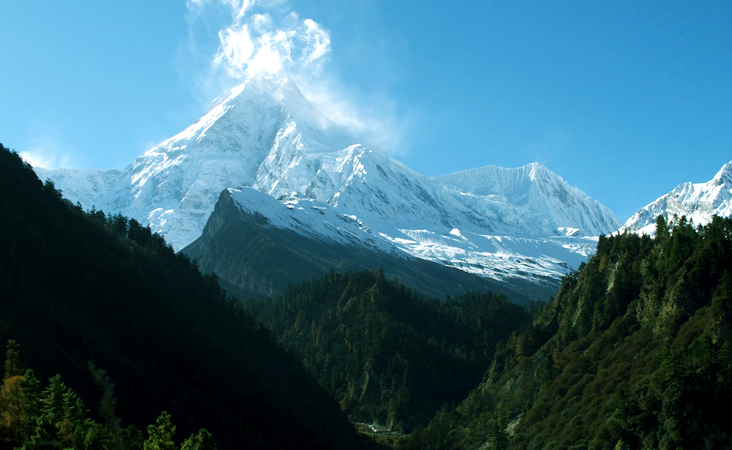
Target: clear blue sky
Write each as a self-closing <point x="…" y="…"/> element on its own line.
<point x="624" y="99"/>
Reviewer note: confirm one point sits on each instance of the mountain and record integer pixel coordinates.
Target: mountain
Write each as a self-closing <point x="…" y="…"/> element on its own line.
<point x="522" y="224"/>
<point x="634" y="352"/>
<point x="259" y="246"/>
<point x="388" y="355"/>
<point x="548" y="199"/>
<point x="78" y="288"/>
<point x="699" y="202"/>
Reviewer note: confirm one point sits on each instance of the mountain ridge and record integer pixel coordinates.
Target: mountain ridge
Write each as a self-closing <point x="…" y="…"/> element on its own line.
<point x="258" y="247"/>
<point x="524" y="190"/>
<point x="699" y="202"/>
<point x="267" y="136"/>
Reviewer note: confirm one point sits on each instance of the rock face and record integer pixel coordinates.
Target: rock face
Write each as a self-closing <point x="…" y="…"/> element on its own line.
<point x="525" y="224"/>
<point x="697" y="201"/>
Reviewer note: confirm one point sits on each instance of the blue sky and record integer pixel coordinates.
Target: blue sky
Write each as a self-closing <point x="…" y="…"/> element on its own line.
<point x="623" y="99"/>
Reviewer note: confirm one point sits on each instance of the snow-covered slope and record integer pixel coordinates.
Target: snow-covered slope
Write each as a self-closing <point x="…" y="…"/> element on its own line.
<point x="249" y="137"/>
<point x="697" y="201"/>
<point x="523" y="223"/>
<point x="258" y="246"/>
<point x="543" y="198"/>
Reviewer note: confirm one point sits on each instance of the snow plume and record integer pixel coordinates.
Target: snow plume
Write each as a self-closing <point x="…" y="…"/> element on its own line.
<point x="375" y="118"/>
<point x="261" y="41"/>
<point x="265" y="38"/>
<point x="46" y="152"/>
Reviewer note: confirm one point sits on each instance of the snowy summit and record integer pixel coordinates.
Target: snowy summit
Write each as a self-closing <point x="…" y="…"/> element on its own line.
<point x="265" y="138"/>
<point x="697" y="201"/>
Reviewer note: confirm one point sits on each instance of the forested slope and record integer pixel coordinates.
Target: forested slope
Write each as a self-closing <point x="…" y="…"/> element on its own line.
<point x="633" y="353"/>
<point x="78" y="287"/>
<point x="387" y="354"/>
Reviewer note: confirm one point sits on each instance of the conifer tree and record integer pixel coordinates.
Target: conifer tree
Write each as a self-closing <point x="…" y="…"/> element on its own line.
<point x="52" y="401"/>
<point x="12" y="357"/>
<point x="499" y="437"/>
<point x="203" y="440"/>
<point x="160" y="436"/>
<point x="662" y="231"/>
<point x="31" y="403"/>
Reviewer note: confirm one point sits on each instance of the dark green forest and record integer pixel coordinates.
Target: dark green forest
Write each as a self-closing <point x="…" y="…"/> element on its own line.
<point x="388" y="355"/>
<point x="634" y="353"/>
<point x="78" y="287"/>
<point x="56" y="417"/>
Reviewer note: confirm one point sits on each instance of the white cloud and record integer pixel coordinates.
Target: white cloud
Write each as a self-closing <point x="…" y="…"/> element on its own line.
<point x="35" y="159"/>
<point x="258" y="44"/>
<point x="46" y="153"/>
<point x="236" y="51"/>
<point x="264" y="38"/>
<point x="374" y="118"/>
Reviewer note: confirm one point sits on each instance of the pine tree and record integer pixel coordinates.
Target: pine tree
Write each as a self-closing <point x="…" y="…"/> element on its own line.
<point x="30" y="390"/>
<point x="499" y="437"/>
<point x="12" y="357"/>
<point x="160" y="436"/>
<point x="52" y="401"/>
<point x="203" y="440"/>
<point x="662" y="231"/>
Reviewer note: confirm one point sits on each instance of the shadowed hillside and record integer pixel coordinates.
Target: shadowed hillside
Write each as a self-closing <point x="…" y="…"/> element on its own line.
<point x="78" y="287"/>
<point x="388" y="355"/>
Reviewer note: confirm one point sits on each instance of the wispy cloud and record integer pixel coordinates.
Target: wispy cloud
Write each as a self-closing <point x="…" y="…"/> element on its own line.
<point x="47" y="153"/>
<point x="259" y="47"/>
<point x="265" y="38"/>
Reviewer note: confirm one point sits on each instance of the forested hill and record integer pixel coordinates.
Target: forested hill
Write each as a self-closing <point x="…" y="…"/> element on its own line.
<point x="78" y="287"/>
<point x="634" y="353"/>
<point x="388" y="355"/>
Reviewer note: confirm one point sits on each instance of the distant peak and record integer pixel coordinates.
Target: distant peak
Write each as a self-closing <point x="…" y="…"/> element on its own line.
<point x="536" y="168"/>
<point x="724" y="174"/>
<point x="492" y="169"/>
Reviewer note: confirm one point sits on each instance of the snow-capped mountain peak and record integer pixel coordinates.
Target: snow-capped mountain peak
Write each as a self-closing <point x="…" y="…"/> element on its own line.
<point x="264" y="135"/>
<point x="724" y="176"/>
<point x="697" y="201"/>
<point x="538" y="191"/>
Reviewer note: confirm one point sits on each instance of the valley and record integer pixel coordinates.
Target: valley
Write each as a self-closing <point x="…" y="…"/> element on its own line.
<point x="365" y="225"/>
<point x="487" y="308"/>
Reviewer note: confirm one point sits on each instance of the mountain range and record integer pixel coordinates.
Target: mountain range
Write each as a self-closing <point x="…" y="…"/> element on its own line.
<point x="269" y="154"/>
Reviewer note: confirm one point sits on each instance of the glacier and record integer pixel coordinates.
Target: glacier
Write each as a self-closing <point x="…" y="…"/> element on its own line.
<point x="281" y="157"/>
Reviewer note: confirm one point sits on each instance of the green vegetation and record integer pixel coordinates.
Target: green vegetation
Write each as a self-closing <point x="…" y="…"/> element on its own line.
<point x="78" y="287"/>
<point x="386" y="354"/>
<point x="634" y="353"/>
<point x="55" y="417"/>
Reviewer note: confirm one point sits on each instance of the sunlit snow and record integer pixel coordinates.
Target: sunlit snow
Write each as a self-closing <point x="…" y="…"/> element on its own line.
<point x="283" y="160"/>
<point x="697" y="201"/>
